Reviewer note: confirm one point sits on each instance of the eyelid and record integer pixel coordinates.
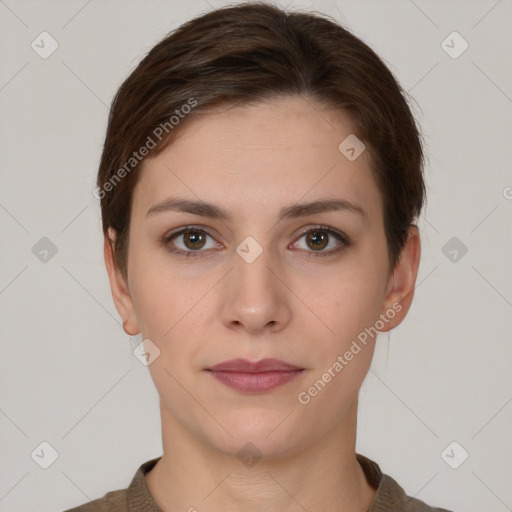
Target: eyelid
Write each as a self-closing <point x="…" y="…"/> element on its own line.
<point x="167" y="238"/>
<point x="344" y="240"/>
<point x="321" y="227"/>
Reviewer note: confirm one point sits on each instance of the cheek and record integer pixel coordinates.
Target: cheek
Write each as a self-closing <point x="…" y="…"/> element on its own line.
<point x="163" y="306"/>
<point x="345" y="297"/>
<point x="174" y="311"/>
<point x="349" y="300"/>
<point x="341" y="359"/>
<point x="160" y="295"/>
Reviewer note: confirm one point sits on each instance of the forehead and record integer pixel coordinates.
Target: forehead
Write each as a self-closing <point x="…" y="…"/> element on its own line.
<point x="265" y="153"/>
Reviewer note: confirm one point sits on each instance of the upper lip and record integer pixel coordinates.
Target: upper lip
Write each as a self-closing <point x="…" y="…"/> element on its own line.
<point x="245" y="366"/>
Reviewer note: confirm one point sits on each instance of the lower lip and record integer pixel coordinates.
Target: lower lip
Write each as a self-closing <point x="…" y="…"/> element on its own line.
<point x="255" y="382"/>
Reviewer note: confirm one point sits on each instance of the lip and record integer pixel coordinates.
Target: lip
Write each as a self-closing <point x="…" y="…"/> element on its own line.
<point x="245" y="366"/>
<point x="255" y="377"/>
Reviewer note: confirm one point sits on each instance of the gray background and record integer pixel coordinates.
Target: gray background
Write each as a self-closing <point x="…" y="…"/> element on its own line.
<point x="67" y="372"/>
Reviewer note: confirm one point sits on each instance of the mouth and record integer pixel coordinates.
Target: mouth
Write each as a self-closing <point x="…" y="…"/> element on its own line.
<point x="254" y="377"/>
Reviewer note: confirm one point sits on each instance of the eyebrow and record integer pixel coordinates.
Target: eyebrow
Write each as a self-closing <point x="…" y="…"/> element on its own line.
<point x="288" y="212"/>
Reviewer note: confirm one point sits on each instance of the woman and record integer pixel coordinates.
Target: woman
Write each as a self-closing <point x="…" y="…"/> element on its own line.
<point x="259" y="184"/>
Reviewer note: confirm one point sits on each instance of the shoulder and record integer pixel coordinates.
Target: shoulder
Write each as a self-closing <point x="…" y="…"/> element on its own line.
<point x="392" y="494"/>
<point x="113" y="501"/>
<point x="389" y="494"/>
<point x="135" y="497"/>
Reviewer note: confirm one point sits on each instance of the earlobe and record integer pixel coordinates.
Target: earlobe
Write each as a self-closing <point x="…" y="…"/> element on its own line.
<point x="120" y="291"/>
<point x="401" y="285"/>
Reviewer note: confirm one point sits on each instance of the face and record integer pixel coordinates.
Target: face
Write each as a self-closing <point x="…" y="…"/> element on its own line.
<point x="265" y="280"/>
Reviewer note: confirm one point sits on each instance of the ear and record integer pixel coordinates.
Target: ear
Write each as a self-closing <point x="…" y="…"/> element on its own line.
<point x="120" y="291"/>
<point x="401" y="284"/>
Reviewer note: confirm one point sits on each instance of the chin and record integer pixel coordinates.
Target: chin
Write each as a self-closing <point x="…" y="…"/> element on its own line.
<point x="257" y="433"/>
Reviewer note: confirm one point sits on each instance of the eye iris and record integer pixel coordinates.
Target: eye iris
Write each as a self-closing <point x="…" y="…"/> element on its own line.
<point x="318" y="238"/>
<point x="196" y="239"/>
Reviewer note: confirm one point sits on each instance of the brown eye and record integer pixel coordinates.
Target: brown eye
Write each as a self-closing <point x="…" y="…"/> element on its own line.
<point x="194" y="239"/>
<point x="190" y="242"/>
<point x="317" y="240"/>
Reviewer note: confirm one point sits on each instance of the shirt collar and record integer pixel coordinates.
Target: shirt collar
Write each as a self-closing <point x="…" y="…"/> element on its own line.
<point x="388" y="494"/>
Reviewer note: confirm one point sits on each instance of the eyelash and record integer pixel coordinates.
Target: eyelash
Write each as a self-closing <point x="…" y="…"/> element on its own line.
<point x="341" y="237"/>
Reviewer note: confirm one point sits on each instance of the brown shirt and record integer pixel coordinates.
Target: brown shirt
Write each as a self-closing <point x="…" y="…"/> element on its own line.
<point x="390" y="497"/>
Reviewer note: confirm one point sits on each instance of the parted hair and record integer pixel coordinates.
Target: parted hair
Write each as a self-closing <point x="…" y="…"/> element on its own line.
<point x="247" y="53"/>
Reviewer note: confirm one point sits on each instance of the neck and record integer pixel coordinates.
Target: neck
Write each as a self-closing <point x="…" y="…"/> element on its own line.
<point x="193" y="475"/>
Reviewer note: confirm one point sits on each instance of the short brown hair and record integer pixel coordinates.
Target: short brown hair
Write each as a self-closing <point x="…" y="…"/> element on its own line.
<point x="251" y="52"/>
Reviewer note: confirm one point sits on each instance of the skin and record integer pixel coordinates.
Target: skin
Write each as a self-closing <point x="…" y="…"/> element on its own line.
<point x="290" y="304"/>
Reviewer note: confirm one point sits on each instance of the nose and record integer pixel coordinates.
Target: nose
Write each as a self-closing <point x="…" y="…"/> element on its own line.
<point x="255" y="299"/>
